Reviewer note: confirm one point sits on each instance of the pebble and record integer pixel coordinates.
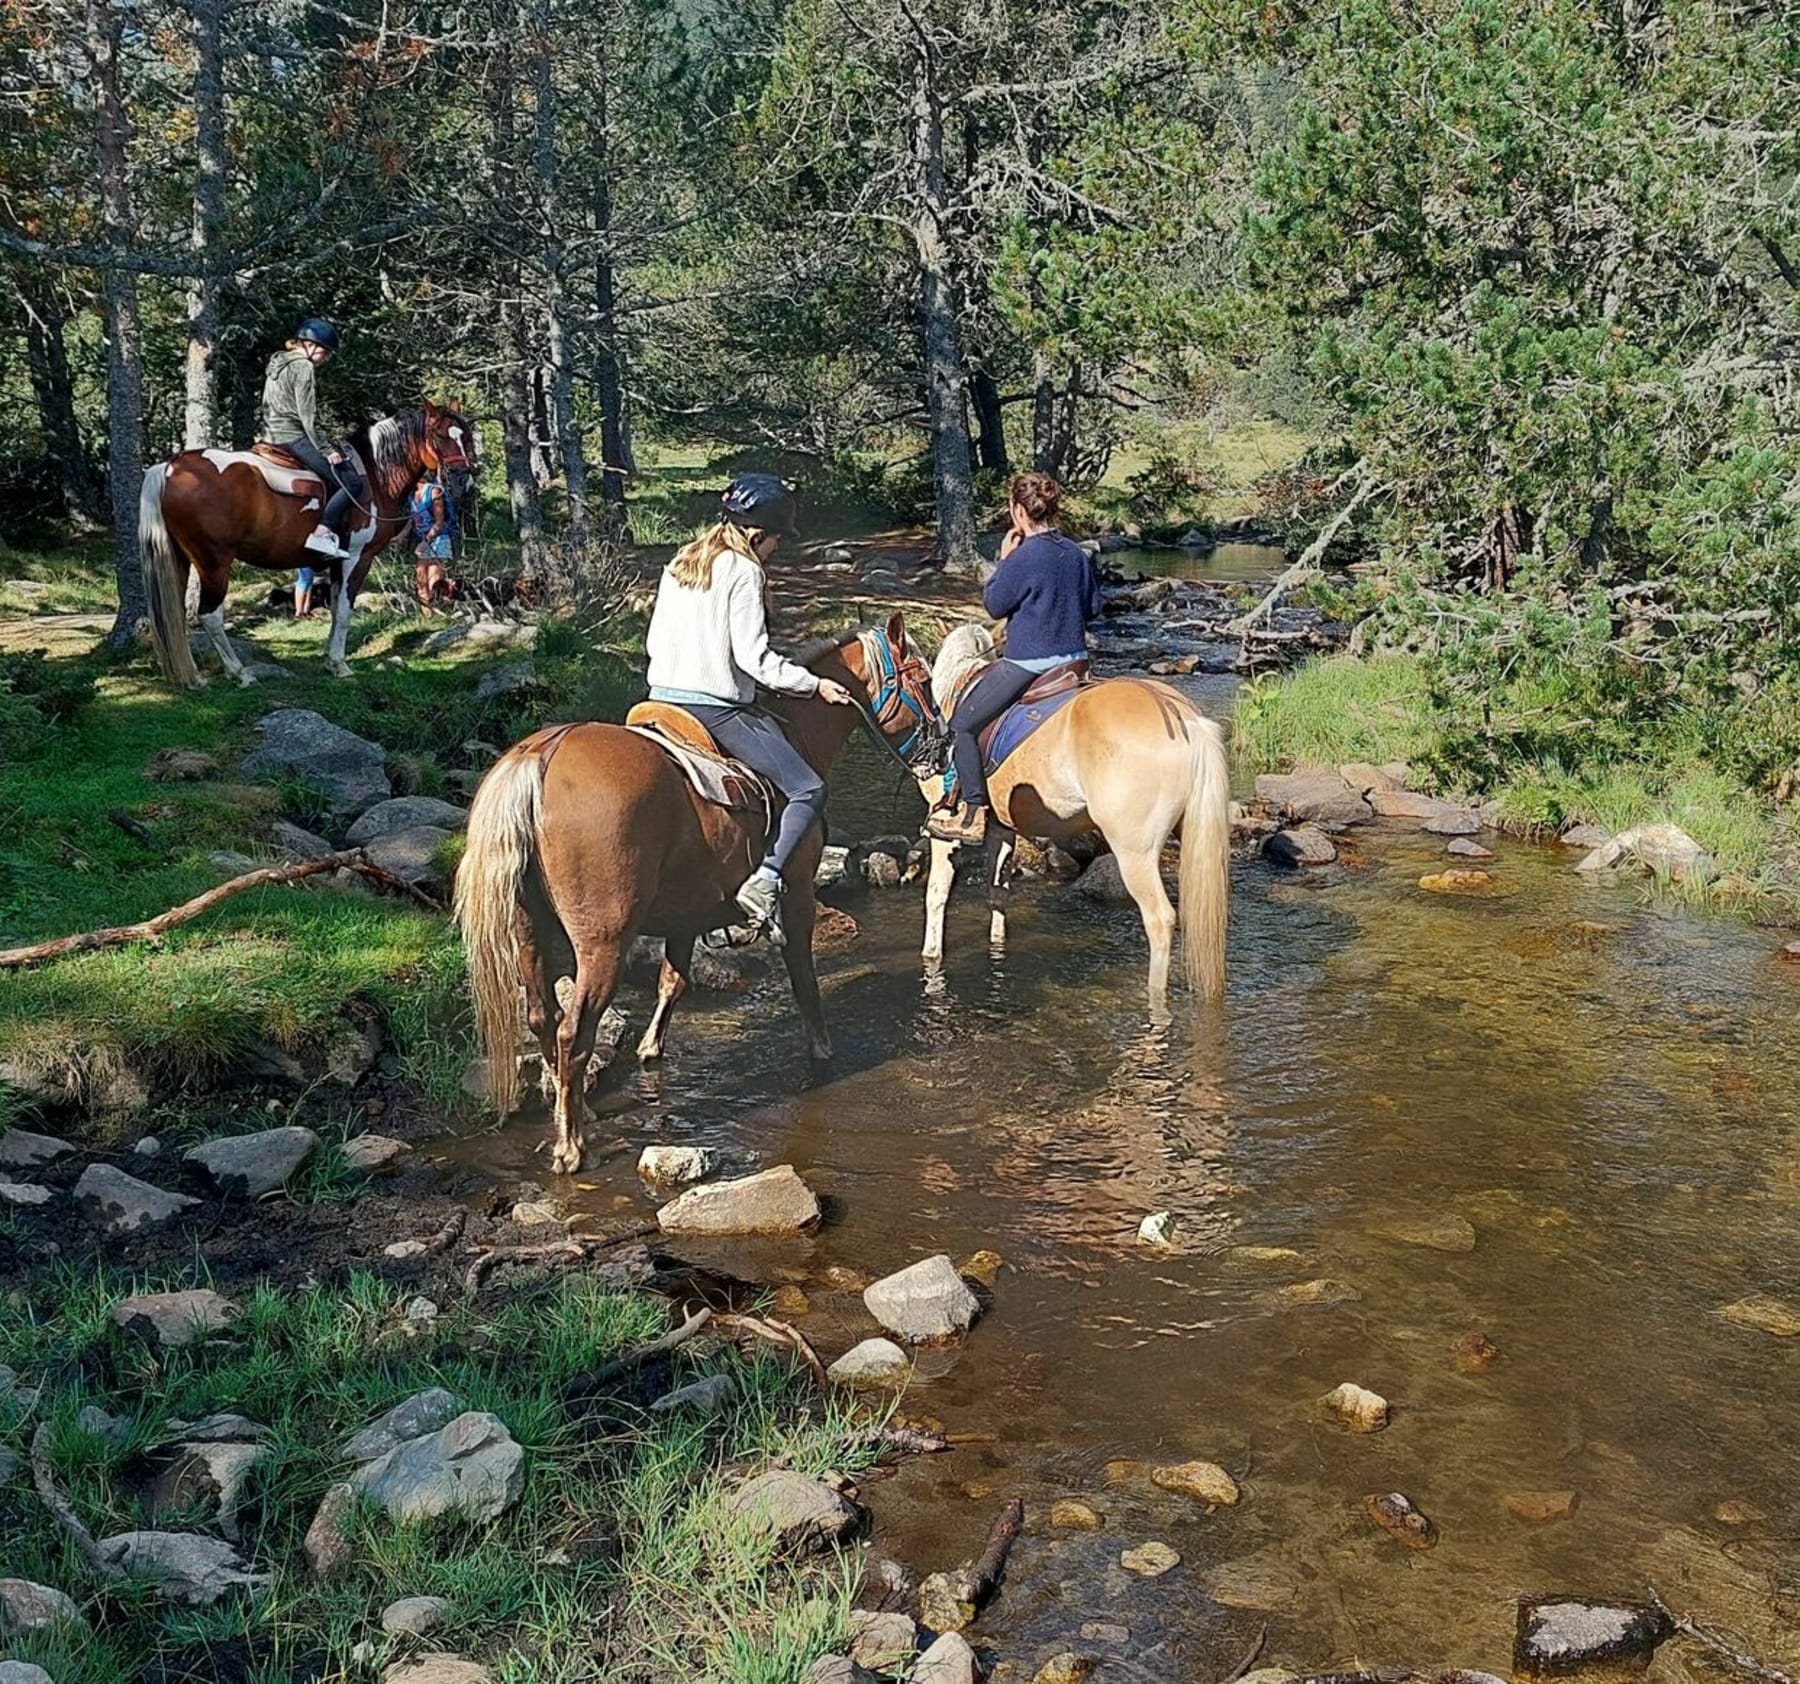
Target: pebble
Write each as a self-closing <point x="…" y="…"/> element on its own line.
<point x="790" y="1300"/>
<point x="367" y="1153"/>
<point x="1104" y="1631"/>
<point x="1122" y="1470"/>
<point x="538" y="1213"/>
<point x="1474" y="1352"/>
<point x="1738" y="1511"/>
<point x="1764" y="1313"/>
<point x="421" y="1310"/>
<point x="1066" y="1668"/>
<point x="1463" y="849"/>
<point x="1790" y="953"/>
<point x="1205" y="1482"/>
<point x="1397" y="1517"/>
<point x="404" y="1248"/>
<point x="1150" y="1561"/>
<point x="941" y="1603"/>
<point x="1072" y="1515"/>
<point x="1538" y="1507"/>
<point x="148" y="1147"/>
<point x="1455" y="881"/>
<point x="1361" y="1410"/>
<point x="676" y="1166"/>
<point x="883" y="1642"/>
<point x="1158" y="1228"/>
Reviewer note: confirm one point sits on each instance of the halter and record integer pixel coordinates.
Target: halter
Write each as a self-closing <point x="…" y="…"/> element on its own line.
<point x="918" y="750"/>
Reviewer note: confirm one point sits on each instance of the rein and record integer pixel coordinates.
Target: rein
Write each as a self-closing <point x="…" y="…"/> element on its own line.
<point x="917" y="751"/>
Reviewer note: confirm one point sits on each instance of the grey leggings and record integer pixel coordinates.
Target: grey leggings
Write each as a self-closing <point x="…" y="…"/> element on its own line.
<point x="749" y="735"/>
<point x="348" y="483"/>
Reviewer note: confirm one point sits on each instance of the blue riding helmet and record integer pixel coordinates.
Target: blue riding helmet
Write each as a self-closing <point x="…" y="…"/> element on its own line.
<point x="318" y="331"/>
<point x="763" y="501"/>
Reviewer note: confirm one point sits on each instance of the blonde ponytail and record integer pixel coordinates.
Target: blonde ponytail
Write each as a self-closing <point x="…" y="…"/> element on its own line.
<point x="692" y="565"/>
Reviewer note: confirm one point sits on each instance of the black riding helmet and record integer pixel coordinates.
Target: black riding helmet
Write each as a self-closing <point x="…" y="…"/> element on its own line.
<point x="764" y="501"/>
<point x="319" y="332"/>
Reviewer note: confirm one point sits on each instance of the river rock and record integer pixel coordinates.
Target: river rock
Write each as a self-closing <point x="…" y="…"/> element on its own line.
<point x="1070" y="1514"/>
<point x="1066" y="1668"/>
<point x="775" y="1201"/>
<point x="369" y="1154"/>
<point x="405" y="812"/>
<point x="1538" y="1507"/>
<point x="1586" y="837"/>
<point x="26" y="1608"/>
<point x="1558" y="1637"/>
<point x="181" y="766"/>
<point x="347" y="770"/>
<point x="837" y="1669"/>
<point x="183" y="1566"/>
<point x="1362" y="777"/>
<point x="414" y="1616"/>
<point x="676" y="1166"/>
<point x="436" y="1669"/>
<point x="422" y="1413"/>
<point x="1205" y="1482"/>
<point x="124" y="1204"/>
<point x="873" y="1363"/>
<point x="1456" y="880"/>
<point x="471" y="1468"/>
<point x="1434" y="1233"/>
<point x="927" y="1303"/>
<point x="295" y="844"/>
<point x="802" y="1514"/>
<point x="1103" y="882"/>
<point x="175" y="1318"/>
<point x="250" y="1165"/>
<point x="1474" y="1352"/>
<point x="411" y="854"/>
<point x="1460" y="847"/>
<point x="949" y="1660"/>
<point x="24" y="1195"/>
<point x="327" y="1547"/>
<point x="1397" y="1517"/>
<point x="1158" y="1229"/>
<point x="21" y="1149"/>
<point x="23" y="1672"/>
<point x="883" y="1642"/>
<point x="983" y="1266"/>
<point x="1265" y="1583"/>
<point x="1150" y="1561"/>
<point x="1665" y="850"/>
<point x="1314" y="794"/>
<point x="1764" y="1313"/>
<point x="707" y="1397"/>
<point x="1361" y="1410"/>
<point x="1453" y="821"/>
<point x="1305" y="844"/>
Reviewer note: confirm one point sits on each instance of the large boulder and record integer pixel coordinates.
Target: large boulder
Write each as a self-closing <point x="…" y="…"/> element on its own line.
<point x="297" y="844"/>
<point x="926" y="1304"/>
<point x="472" y="1469"/>
<point x="800" y="1513"/>
<point x="250" y="1165"/>
<point x="411" y="854"/>
<point x="1664" y="850"/>
<point x="1313" y="794"/>
<point x="347" y="771"/>
<point x="776" y="1201"/>
<point x="422" y="1413"/>
<point x="26" y="1607"/>
<point x="405" y="812"/>
<point x="175" y="1318"/>
<point x="124" y="1204"/>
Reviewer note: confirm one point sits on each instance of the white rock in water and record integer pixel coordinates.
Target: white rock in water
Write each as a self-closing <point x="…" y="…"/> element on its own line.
<point x="1361" y="1410"/>
<point x="875" y="1362"/>
<point x="950" y="1660"/>
<point x="834" y="867"/>
<point x="776" y="1201"/>
<point x="1158" y="1228"/>
<point x="677" y="1166"/>
<point x="925" y="1304"/>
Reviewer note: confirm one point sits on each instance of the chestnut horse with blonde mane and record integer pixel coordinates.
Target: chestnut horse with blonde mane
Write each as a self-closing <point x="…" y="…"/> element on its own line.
<point x="209" y="509"/>
<point x="584" y="837"/>
<point x="1134" y="760"/>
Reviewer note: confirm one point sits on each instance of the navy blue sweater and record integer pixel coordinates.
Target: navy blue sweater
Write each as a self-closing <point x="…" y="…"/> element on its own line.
<point x="1046" y="591"/>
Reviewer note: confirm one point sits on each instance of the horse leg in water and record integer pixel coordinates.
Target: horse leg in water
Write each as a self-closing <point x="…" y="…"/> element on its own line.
<point x="597" y="970"/>
<point x="938" y="884"/>
<point x="671" y="984"/>
<point x="1141" y="868"/>
<point x="799" y="911"/>
<point x="1002" y="848"/>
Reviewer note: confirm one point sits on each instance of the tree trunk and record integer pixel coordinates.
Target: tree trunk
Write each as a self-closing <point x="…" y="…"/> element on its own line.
<point x="560" y="376"/>
<point x="1055" y="402"/>
<point x="124" y="346"/>
<point x="952" y="474"/>
<point x="200" y="428"/>
<point x="608" y="387"/>
<point x="53" y="387"/>
<point x="990" y="421"/>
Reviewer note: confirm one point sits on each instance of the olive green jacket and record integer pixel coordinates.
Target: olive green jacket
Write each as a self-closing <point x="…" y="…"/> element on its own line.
<point x="290" y="401"/>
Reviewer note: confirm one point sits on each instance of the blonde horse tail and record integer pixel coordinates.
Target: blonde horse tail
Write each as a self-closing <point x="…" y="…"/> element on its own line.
<point x="1206" y="862"/>
<point x="503" y="829"/>
<point x="162" y="582"/>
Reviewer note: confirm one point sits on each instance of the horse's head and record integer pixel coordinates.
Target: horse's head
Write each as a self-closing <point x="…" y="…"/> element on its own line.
<point x="449" y="438"/>
<point x="896" y="693"/>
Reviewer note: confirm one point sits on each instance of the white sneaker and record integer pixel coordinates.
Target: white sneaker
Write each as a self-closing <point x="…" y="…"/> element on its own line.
<point x="323" y="541"/>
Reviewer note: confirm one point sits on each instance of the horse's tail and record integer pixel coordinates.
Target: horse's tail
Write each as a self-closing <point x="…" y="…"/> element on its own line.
<point x="503" y="829"/>
<point x="162" y="582"/>
<point x="1206" y="862"/>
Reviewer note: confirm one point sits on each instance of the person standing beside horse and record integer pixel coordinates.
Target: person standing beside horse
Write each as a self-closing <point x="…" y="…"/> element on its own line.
<point x="290" y="419"/>
<point x="434" y="519"/>
<point x="709" y="650"/>
<point x="1046" y="590"/>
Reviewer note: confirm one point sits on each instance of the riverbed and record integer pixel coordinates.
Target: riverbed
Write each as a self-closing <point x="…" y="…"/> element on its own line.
<point x="1506" y="1161"/>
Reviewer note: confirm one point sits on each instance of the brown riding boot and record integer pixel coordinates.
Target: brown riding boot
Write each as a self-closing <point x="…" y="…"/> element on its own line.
<point x="964" y="822"/>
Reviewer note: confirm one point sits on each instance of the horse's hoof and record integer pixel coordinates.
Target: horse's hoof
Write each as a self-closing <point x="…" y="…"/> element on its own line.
<point x="820" y="1052"/>
<point x="565" y="1162"/>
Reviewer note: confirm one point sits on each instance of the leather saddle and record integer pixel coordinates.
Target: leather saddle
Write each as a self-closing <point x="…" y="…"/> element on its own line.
<point x="283" y="471"/>
<point x="676" y="722"/>
<point x="1042" y="700"/>
<point x="711" y="774"/>
<point x="279" y="454"/>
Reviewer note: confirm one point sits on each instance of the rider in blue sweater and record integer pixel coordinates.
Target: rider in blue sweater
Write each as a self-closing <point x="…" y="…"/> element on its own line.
<point x="1046" y="590"/>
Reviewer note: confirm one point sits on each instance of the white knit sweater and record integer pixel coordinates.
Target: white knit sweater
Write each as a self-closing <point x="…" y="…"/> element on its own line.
<point x="715" y="642"/>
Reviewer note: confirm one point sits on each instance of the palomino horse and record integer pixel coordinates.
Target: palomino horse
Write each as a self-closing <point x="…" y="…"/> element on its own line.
<point x="1134" y="760"/>
<point x="206" y="509"/>
<point x="583" y="837"/>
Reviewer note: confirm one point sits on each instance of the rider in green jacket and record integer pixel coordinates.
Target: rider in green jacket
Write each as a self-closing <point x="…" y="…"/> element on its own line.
<point x="290" y="419"/>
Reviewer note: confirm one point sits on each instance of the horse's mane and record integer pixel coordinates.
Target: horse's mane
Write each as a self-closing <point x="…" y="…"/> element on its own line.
<point x="396" y="447"/>
<point x="830" y="643"/>
<point x="970" y="645"/>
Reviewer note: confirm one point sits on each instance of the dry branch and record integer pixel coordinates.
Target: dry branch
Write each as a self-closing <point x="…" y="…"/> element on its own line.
<point x="1298" y="572"/>
<point x="571" y="1248"/>
<point x="153" y="929"/>
<point x="977" y="1585"/>
<point x="586" y="1386"/>
<point x="779" y="1333"/>
<point x="1725" y="1651"/>
<point x="58" y="1505"/>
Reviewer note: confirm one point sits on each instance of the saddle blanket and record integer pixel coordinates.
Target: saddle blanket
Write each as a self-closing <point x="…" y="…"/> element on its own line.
<point x="724" y="783"/>
<point x="1042" y="702"/>
<point x="285" y="479"/>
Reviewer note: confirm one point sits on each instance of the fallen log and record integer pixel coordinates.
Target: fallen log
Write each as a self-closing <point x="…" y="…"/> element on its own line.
<point x="980" y="1582"/>
<point x="571" y="1248"/>
<point x="154" y="929"/>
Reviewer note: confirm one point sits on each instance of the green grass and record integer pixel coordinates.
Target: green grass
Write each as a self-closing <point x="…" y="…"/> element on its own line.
<point x="679" y="1589"/>
<point x="1334" y="710"/>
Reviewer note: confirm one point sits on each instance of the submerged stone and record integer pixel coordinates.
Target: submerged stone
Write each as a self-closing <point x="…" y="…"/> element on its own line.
<point x="1150" y="1560"/>
<point x="874" y="1362"/>
<point x="1766" y="1314"/>
<point x="1070" y="1514"/>
<point x="1396" y="1516"/>
<point x="927" y="1303"/>
<point x="1539" y="1507"/>
<point x="1559" y="1637"/>
<point x="1205" y="1482"/>
<point x="1361" y="1410"/>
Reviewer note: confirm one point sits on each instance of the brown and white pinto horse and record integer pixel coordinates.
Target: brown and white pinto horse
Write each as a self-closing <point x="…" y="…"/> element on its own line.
<point x="1134" y="760"/>
<point x="583" y="837"/>
<point x="207" y="509"/>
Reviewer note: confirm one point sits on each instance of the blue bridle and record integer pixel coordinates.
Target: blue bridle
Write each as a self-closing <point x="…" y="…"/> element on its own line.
<point x="918" y="750"/>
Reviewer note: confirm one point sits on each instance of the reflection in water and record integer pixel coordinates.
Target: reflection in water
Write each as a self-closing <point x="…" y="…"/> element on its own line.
<point x="1597" y="1095"/>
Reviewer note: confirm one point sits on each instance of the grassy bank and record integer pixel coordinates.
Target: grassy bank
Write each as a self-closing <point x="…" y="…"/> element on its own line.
<point x="1546" y="763"/>
<point x="88" y="839"/>
<point x="620" y="1562"/>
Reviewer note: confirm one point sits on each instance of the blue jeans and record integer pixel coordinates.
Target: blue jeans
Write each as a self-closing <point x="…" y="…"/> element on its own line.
<point x="752" y="736"/>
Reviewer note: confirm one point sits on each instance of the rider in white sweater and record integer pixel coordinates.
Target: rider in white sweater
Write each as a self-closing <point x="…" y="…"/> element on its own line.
<point x="709" y="650"/>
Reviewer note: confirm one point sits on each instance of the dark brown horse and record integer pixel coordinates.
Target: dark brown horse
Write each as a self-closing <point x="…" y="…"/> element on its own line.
<point x="208" y="509"/>
<point x="583" y="837"/>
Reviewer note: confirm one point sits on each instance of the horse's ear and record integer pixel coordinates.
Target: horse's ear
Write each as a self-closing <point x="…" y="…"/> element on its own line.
<point x="896" y="631"/>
